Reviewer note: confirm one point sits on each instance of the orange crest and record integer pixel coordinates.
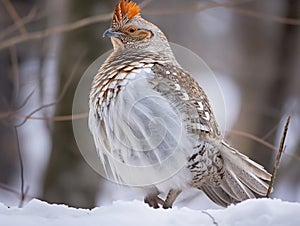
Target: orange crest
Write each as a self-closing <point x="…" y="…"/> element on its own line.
<point x="124" y="11"/>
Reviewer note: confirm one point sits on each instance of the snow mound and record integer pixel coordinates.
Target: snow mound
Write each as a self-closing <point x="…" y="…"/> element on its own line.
<point x="251" y="212"/>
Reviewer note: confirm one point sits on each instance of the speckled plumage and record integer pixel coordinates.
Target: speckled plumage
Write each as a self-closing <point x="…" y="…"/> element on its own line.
<point x="146" y="110"/>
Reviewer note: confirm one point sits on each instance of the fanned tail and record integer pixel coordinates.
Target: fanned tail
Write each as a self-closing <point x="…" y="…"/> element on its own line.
<point x="242" y="178"/>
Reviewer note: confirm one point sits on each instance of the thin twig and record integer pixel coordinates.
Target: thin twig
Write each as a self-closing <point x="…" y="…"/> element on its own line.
<point x="233" y="6"/>
<point x="271" y="131"/>
<point x="253" y="137"/>
<point x="194" y="8"/>
<point x="10" y="114"/>
<point x="21" y="167"/>
<point x="57" y="118"/>
<point x="15" y="69"/>
<point x="16" y="192"/>
<point x="9" y="189"/>
<point x="26" y="100"/>
<point x="44" y="118"/>
<point x="15" y="16"/>
<point x="60" y="97"/>
<point x="260" y="15"/>
<point x="26" y="19"/>
<point x="5" y="115"/>
<point x="54" y="30"/>
<point x="263" y="142"/>
<point x="278" y="156"/>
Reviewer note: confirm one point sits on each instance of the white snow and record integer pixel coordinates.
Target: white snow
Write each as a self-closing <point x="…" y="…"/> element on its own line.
<point x="251" y="212"/>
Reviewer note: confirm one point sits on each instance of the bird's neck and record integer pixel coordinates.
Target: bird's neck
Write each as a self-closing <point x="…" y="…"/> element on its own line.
<point x="165" y="55"/>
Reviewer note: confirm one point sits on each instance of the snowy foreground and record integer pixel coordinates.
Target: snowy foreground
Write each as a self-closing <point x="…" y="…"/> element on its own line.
<point x="251" y="212"/>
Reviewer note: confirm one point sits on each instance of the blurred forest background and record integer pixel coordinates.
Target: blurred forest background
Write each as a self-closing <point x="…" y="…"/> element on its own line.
<point x="253" y="46"/>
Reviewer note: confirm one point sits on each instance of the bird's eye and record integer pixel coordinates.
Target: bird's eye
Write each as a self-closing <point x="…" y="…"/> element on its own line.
<point x="131" y="30"/>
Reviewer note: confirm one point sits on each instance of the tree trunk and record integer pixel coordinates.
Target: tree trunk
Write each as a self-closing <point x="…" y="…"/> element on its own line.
<point x="69" y="179"/>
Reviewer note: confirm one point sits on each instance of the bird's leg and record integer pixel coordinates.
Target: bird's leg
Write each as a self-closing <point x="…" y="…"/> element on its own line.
<point x="172" y="195"/>
<point x="153" y="200"/>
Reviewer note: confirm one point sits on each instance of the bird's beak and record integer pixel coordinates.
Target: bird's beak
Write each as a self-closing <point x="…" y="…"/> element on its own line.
<point x="110" y="33"/>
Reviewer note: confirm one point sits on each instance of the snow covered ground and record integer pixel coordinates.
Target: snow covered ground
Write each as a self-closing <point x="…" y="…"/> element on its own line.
<point x="251" y="212"/>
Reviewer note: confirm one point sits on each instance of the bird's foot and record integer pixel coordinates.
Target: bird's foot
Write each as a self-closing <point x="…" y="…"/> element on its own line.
<point x="153" y="201"/>
<point x="172" y="195"/>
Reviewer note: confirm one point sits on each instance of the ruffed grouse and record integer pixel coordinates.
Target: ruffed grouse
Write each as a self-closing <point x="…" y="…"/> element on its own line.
<point x="153" y="125"/>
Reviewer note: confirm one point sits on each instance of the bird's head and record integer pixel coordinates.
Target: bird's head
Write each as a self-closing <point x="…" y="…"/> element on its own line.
<point x="130" y="31"/>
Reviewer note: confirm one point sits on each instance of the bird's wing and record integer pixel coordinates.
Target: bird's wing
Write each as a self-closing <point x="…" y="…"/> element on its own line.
<point x="185" y="91"/>
<point x="142" y="133"/>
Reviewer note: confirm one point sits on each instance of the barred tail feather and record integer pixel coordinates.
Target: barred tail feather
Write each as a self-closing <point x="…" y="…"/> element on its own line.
<point x="234" y="158"/>
<point x="242" y="178"/>
<point x="217" y="195"/>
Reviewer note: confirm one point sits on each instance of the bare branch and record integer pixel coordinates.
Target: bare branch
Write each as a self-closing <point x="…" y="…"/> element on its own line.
<point x="278" y="19"/>
<point x="14" y="191"/>
<point x="11" y="114"/>
<point x="60" y="97"/>
<point x="5" y="114"/>
<point x="26" y="100"/>
<point x="263" y="142"/>
<point x="271" y="131"/>
<point x="278" y="156"/>
<point x="57" y="118"/>
<point x="15" y="69"/>
<point x="54" y="30"/>
<point x="26" y="19"/>
<point x="21" y="167"/>
<point x="9" y="189"/>
<point x="253" y="137"/>
<point x="232" y="5"/>
<point x="15" y="16"/>
<point x="194" y="8"/>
